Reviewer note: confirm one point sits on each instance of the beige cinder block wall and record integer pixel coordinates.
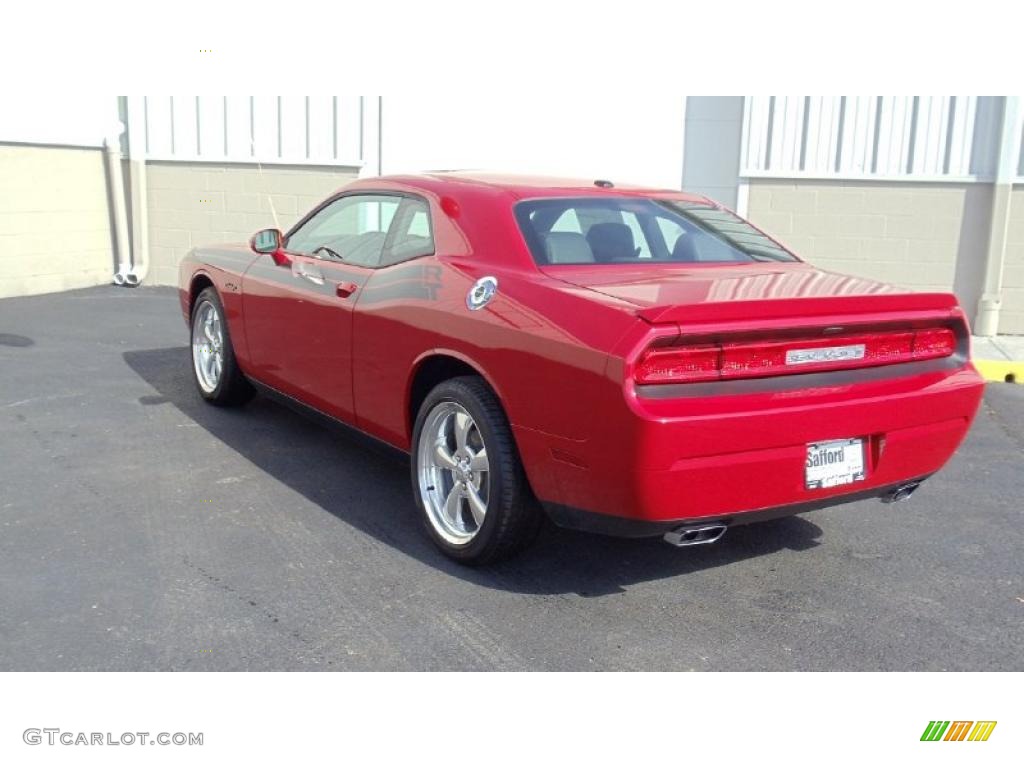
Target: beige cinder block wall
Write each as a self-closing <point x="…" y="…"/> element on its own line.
<point x="192" y="204"/>
<point x="905" y="233"/>
<point x="55" y="229"/>
<point x="1011" y="320"/>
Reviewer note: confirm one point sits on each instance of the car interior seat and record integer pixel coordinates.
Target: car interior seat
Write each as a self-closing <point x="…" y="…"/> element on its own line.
<point x="685" y="249"/>
<point x="611" y="241"/>
<point x="363" y="250"/>
<point x="567" y="248"/>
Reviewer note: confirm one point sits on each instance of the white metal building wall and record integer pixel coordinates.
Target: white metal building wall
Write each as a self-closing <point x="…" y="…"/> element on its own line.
<point x="913" y="190"/>
<point x="941" y="138"/>
<point x="289" y="130"/>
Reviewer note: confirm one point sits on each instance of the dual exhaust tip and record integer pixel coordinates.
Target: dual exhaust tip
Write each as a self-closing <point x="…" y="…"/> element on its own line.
<point x="689" y="536"/>
<point x="685" y="536"/>
<point x="902" y="493"/>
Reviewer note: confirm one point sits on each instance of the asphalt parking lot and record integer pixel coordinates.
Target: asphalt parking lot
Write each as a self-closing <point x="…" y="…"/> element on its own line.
<point x="141" y="529"/>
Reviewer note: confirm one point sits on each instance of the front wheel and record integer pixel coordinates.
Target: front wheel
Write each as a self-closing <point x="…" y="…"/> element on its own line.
<point x="467" y="477"/>
<point x="214" y="368"/>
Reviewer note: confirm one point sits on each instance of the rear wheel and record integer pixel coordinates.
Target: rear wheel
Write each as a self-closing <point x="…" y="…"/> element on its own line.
<point x="467" y="477"/>
<point x="214" y="368"/>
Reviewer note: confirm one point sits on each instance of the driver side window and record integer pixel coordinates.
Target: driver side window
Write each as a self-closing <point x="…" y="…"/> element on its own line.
<point x="354" y="227"/>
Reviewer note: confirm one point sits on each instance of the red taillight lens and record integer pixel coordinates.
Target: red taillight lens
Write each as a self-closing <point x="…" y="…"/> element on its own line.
<point x="664" y="364"/>
<point x="935" y="342"/>
<point x="751" y="359"/>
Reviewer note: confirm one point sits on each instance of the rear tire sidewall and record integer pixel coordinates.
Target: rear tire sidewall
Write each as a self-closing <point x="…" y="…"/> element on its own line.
<point x="474" y="549"/>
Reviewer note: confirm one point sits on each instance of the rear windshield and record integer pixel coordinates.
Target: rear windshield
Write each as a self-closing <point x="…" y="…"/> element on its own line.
<point x="639" y="231"/>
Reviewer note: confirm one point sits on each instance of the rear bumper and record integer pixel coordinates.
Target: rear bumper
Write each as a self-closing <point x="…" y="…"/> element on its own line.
<point x="633" y="528"/>
<point x="774" y="477"/>
<point x="740" y="459"/>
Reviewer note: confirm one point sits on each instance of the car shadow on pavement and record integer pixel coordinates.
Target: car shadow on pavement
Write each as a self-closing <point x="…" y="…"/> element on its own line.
<point x="369" y="488"/>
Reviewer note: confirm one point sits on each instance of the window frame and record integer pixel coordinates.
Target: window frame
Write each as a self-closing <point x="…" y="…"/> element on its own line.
<point x="384" y="260"/>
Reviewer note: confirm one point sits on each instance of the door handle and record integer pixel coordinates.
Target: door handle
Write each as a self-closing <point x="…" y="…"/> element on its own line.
<point x="307" y="271"/>
<point x="345" y="289"/>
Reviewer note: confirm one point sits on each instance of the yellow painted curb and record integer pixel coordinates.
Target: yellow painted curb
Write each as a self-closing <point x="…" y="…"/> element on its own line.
<point x="1001" y="370"/>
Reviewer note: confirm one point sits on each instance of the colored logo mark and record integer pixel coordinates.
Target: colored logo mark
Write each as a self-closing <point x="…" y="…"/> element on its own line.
<point x="958" y="730"/>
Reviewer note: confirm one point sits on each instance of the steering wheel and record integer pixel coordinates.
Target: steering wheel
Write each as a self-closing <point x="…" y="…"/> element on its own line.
<point x="330" y="252"/>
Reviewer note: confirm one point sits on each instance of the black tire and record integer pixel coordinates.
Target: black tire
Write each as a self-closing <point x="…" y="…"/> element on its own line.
<point x="232" y="387"/>
<point x="513" y="516"/>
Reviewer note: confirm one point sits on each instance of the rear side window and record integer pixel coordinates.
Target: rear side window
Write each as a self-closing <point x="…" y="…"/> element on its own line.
<point x="411" y="234"/>
<point x="600" y="230"/>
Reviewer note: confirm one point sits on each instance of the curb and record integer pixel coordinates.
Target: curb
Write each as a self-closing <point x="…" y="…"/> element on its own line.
<point x="1011" y="371"/>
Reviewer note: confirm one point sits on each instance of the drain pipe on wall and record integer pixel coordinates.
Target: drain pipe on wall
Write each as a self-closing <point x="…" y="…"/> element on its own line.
<point x="112" y="150"/>
<point x="986" y="323"/>
<point x="140" y="221"/>
<point x="135" y="116"/>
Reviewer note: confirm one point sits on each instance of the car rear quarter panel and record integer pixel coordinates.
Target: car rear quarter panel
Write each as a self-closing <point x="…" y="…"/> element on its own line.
<point x="541" y="344"/>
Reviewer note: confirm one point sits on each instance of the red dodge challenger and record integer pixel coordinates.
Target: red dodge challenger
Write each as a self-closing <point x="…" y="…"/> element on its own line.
<point x="624" y="360"/>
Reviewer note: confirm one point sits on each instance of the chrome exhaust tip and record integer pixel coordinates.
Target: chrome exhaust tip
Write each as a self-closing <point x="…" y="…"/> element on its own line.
<point x="902" y="493"/>
<point x="685" y="536"/>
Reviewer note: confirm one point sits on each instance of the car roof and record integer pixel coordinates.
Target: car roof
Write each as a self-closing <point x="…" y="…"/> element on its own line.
<point x="524" y="186"/>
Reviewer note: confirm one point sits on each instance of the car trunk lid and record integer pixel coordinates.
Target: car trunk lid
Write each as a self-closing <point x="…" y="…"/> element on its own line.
<point x="746" y="292"/>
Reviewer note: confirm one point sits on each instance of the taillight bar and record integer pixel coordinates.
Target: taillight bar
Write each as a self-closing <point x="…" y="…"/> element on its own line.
<point x="755" y="359"/>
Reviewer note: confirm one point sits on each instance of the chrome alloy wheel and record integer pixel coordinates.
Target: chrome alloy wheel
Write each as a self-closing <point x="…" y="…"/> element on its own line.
<point x="207" y="346"/>
<point x="453" y="473"/>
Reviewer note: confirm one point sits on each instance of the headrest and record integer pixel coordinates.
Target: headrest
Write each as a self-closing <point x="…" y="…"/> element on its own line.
<point x="611" y="241"/>
<point x="567" y="248"/>
<point x="684" y="249"/>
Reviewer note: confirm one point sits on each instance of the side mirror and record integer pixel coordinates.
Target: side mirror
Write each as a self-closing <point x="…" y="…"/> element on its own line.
<point x="271" y="241"/>
<point x="267" y="241"/>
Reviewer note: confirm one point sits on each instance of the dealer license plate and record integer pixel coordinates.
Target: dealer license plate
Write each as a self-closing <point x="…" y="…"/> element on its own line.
<point x="834" y="462"/>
